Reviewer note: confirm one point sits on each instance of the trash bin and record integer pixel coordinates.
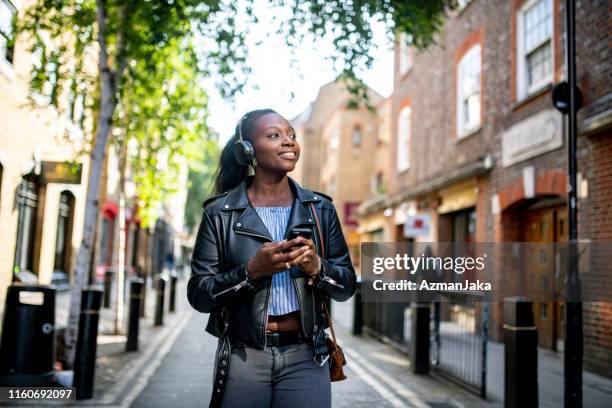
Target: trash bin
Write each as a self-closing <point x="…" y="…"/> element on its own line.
<point x="28" y="335"/>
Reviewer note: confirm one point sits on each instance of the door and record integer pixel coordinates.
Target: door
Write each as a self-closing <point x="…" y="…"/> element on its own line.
<point x="546" y="225"/>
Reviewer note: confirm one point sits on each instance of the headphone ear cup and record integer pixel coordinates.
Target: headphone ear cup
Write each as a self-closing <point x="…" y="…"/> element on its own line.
<point x="244" y="152"/>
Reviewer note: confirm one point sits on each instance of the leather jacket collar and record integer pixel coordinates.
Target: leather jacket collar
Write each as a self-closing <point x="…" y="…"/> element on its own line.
<point x="250" y="223"/>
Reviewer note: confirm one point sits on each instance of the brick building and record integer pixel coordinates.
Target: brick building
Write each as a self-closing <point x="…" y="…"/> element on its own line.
<point x="480" y="150"/>
<point x="336" y="154"/>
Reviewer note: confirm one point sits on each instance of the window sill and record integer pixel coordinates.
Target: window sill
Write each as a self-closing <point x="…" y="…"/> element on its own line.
<point x="533" y="95"/>
<point x="468" y="134"/>
<point x="402" y="171"/>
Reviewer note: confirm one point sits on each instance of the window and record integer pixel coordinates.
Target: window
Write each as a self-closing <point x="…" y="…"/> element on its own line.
<point x="27" y="203"/>
<point x="403" y="139"/>
<point x="63" y="234"/>
<point x="357" y="136"/>
<point x="534" y="46"/>
<point x="377" y="183"/>
<point x="405" y="54"/>
<point x="468" y="91"/>
<point x="334" y="141"/>
<point x="7" y="13"/>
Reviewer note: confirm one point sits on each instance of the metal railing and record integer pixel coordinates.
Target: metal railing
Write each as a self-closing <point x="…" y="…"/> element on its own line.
<point x="459" y="335"/>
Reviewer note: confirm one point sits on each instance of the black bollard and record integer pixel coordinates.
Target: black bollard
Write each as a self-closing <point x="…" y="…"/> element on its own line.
<point x="358" y="311"/>
<point x="520" y="354"/>
<point x="134" y="316"/>
<point x="420" y="338"/>
<point x="159" y="306"/>
<point x="108" y="286"/>
<point x="143" y="297"/>
<point x="85" y="358"/>
<point x="173" y="279"/>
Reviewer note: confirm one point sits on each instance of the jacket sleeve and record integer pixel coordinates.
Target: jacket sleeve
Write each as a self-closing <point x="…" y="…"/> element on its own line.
<point x="337" y="277"/>
<point x="209" y="286"/>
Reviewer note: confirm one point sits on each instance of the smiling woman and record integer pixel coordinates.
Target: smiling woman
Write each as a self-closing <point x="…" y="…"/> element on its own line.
<point x="258" y="273"/>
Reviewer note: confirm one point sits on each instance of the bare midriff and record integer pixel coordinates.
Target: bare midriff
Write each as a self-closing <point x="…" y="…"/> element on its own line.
<point x="284" y="323"/>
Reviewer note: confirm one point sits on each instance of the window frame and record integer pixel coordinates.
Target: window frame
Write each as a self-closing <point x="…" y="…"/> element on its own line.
<point x="27" y="202"/>
<point x="523" y="89"/>
<point x="403" y="155"/>
<point x="6" y="65"/>
<point x="405" y="56"/>
<point x="462" y="129"/>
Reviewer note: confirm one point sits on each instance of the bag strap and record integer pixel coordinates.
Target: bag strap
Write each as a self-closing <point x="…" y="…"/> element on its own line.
<point x="325" y="311"/>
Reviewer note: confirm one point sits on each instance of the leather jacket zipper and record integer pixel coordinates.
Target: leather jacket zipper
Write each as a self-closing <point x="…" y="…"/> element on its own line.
<point x="235" y="288"/>
<point x="297" y="292"/>
<point x="265" y="319"/>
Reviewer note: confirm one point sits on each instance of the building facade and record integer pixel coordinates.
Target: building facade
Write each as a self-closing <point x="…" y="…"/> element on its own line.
<point x="480" y="152"/>
<point x="337" y="145"/>
<point x="42" y="182"/>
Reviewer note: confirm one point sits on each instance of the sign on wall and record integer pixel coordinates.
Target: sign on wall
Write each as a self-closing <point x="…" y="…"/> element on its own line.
<point x="350" y="214"/>
<point x="61" y="172"/>
<point x="418" y="225"/>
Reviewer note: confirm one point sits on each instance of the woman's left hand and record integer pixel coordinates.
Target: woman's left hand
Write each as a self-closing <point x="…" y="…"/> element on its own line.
<point x="309" y="261"/>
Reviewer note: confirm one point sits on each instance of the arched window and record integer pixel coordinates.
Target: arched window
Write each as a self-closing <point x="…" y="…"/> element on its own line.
<point x="27" y="204"/>
<point x="63" y="236"/>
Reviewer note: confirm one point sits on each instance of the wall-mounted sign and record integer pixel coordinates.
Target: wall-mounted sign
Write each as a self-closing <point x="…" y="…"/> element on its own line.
<point x="538" y="134"/>
<point x="350" y="214"/>
<point x="61" y="172"/>
<point x="418" y="225"/>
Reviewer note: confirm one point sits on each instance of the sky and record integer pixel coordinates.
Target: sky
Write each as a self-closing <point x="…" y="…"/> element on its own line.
<point x="276" y="79"/>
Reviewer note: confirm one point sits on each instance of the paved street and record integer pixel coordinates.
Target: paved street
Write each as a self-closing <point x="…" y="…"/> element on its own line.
<point x="377" y="374"/>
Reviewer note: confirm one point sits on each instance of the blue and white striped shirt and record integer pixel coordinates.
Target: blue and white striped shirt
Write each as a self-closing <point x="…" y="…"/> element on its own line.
<point x="283" y="298"/>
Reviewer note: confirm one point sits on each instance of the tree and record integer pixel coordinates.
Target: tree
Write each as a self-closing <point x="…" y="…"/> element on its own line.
<point x="200" y="181"/>
<point x="125" y="33"/>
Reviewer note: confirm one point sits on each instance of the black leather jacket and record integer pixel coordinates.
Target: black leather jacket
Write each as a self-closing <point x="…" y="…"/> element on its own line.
<point x="230" y="233"/>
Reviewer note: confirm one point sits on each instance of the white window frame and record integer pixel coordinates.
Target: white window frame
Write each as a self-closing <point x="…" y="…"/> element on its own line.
<point x="6" y="67"/>
<point x="462" y="130"/>
<point x="523" y="90"/>
<point x="404" y="122"/>
<point x="405" y="55"/>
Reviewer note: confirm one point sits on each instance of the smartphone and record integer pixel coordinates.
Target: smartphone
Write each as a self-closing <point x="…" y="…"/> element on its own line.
<point x="299" y="232"/>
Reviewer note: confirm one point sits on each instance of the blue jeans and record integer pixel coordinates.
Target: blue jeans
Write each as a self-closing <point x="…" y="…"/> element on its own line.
<point x="283" y="376"/>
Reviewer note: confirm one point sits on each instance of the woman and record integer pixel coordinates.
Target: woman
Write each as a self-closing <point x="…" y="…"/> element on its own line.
<point x="263" y="289"/>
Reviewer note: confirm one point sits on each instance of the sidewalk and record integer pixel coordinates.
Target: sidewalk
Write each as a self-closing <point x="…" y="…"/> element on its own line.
<point x="373" y="364"/>
<point x="119" y="375"/>
<point x="597" y="390"/>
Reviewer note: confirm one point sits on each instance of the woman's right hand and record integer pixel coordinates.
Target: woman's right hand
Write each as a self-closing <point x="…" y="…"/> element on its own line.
<point x="271" y="258"/>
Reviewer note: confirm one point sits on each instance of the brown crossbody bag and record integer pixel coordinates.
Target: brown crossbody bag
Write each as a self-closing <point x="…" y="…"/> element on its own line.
<point x="336" y="355"/>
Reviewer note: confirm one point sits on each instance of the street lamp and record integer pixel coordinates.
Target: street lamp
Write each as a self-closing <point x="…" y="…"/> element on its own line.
<point x="568" y="99"/>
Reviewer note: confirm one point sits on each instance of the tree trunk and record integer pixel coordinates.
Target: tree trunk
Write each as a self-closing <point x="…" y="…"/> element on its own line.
<point x="108" y="86"/>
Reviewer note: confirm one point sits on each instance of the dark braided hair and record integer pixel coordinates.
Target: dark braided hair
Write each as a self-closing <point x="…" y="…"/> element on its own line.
<point x="230" y="173"/>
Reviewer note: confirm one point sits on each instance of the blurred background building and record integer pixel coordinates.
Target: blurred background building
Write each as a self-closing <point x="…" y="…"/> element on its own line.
<point x="43" y="181"/>
<point x="469" y="148"/>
